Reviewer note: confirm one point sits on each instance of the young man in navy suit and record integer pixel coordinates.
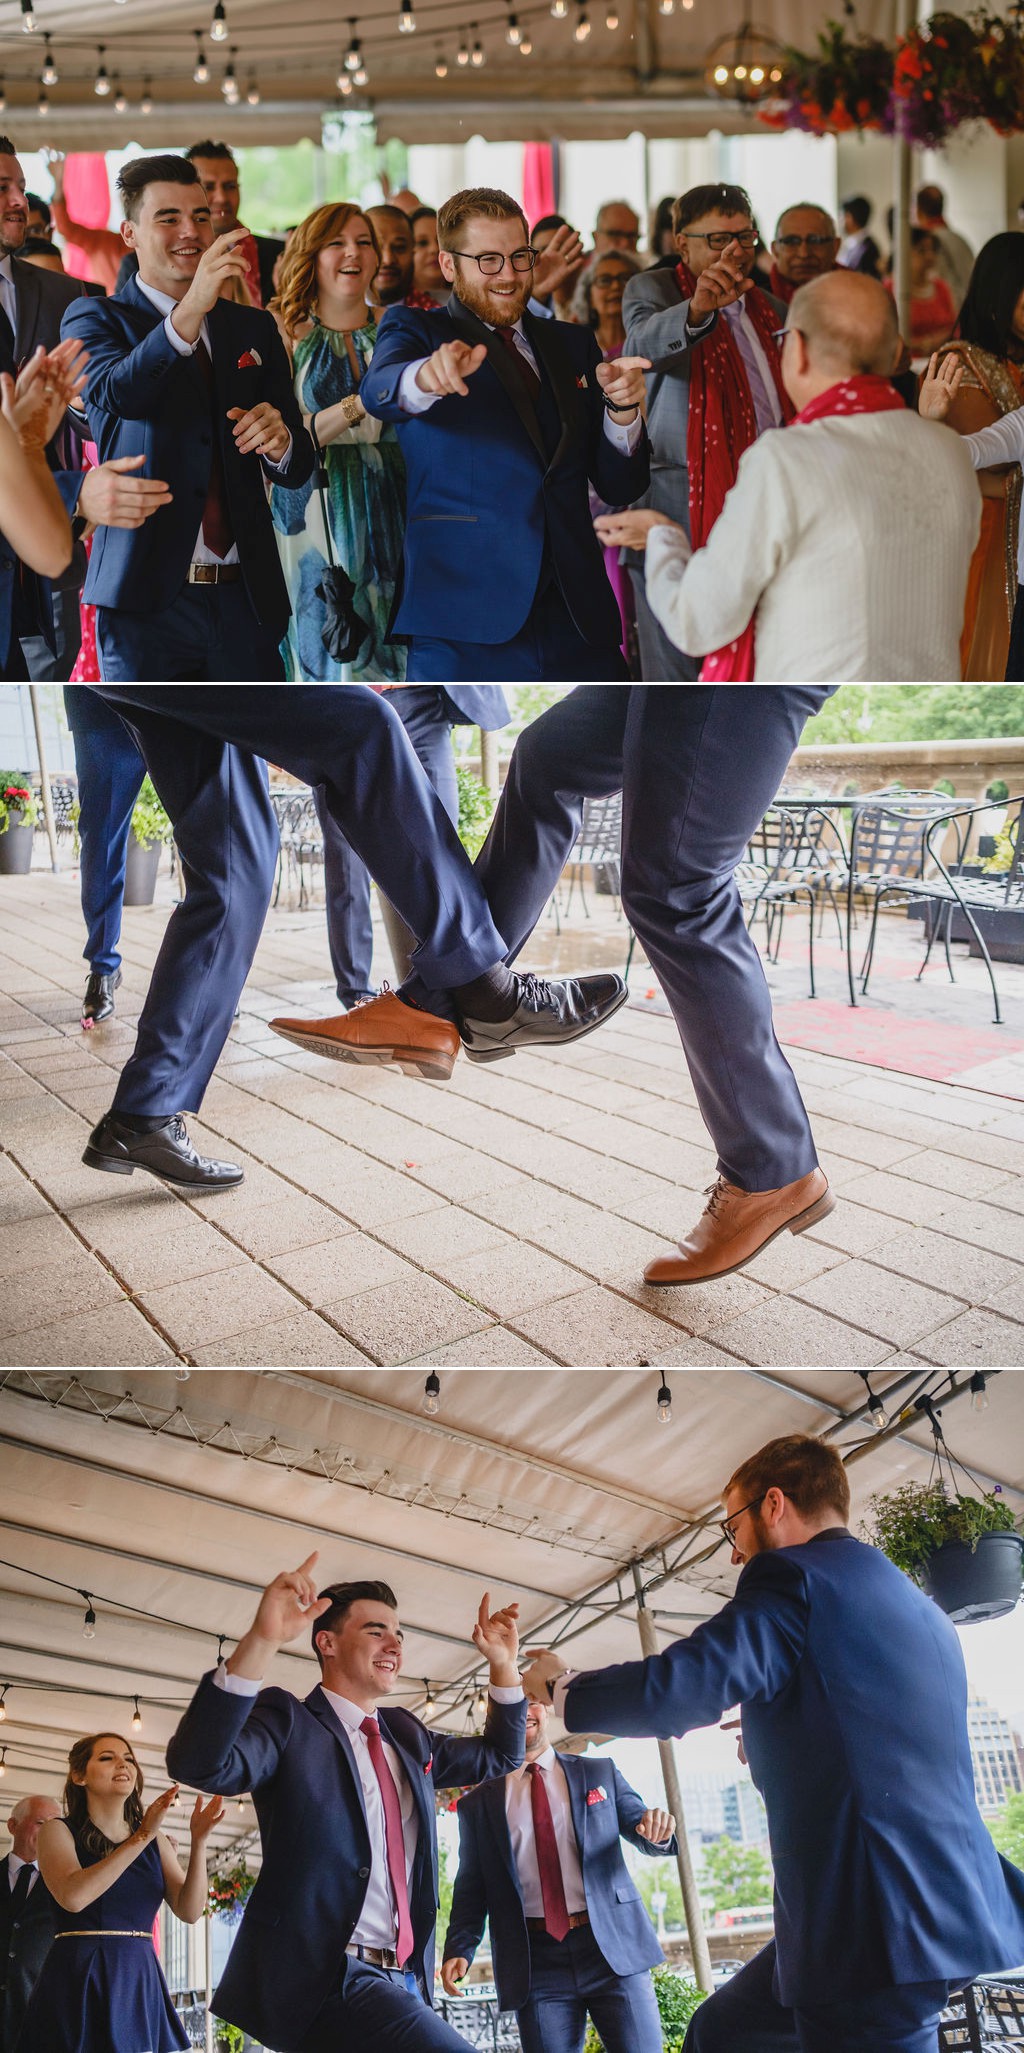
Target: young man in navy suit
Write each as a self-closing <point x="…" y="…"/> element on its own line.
<point x="540" y="1859"/>
<point x="336" y="1949"/>
<point x="202" y="388"/>
<point x="888" y="1889"/>
<point x="505" y="419"/>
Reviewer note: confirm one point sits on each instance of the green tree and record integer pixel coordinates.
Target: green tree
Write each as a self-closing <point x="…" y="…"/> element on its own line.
<point x="918" y="712"/>
<point x="1008" y="1830"/>
<point x="661" y="1878"/>
<point x="735" y="1877"/>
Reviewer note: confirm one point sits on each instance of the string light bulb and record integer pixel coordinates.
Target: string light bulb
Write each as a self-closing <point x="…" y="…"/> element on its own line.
<point x="462" y="53"/>
<point x="89" y="1625"/>
<point x="240" y="1804"/>
<point x="559" y="9"/>
<point x="219" y="24"/>
<point x="526" y="46"/>
<point x="432" y="1394"/>
<point x="101" y="82"/>
<point x="136" y="1716"/>
<point x="429" y="1700"/>
<point x="440" y="65"/>
<point x="146" y="102"/>
<point x="361" y="77"/>
<point x="28" y="19"/>
<point x="979" y="1391"/>
<point x="42" y="104"/>
<point x="406" y="19"/>
<point x="344" y="85"/>
<point x="353" y="55"/>
<point x="582" y="28"/>
<point x="252" y="93"/>
<point x="3" y="1705"/>
<point x="3" y="1760"/>
<point x="611" y="20"/>
<point x="3" y="97"/>
<point x="876" y="1410"/>
<point x="200" y="73"/>
<point x="513" y="32"/>
<point x="49" y="74"/>
<point x="479" y="1704"/>
<point x="229" y="83"/>
<point x="476" y="55"/>
<point x="664" y="1405"/>
<point x="120" y="98"/>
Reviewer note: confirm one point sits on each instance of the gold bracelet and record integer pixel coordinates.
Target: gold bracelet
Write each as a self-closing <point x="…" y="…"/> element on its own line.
<point x="353" y="409"/>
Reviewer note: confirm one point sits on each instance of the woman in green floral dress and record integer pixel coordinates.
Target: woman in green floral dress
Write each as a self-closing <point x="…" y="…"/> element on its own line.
<point x="323" y="312"/>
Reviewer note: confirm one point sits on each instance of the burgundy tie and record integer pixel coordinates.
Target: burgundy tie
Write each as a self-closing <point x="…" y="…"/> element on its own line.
<point x="529" y="378"/>
<point x="218" y="533"/>
<point x="549" y="1867"/>
<point x="393" y="1834"/>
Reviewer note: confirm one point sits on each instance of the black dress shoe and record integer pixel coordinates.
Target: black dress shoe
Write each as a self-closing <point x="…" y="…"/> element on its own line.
<point x="167" y="1152"/>
<point x="547" y="1014"/>
<point x="98" y="1003"/>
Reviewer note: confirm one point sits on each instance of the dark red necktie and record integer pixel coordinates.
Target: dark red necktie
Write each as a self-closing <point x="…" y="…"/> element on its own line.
<point x="218" y="533"/>
<point x="393" y="1834"/>
<point x="549" y="1867"/>
<point x="529" y="378"/>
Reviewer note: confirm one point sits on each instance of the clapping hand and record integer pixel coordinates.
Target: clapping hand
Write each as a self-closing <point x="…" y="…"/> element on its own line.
<point x="496" y="1636"/>
<point x="34" y="403"/>
<point x="939" y="387"/>
<point x="447" y="370"/>
<point x="560" y="263"/>
<point x="622" y="380"/>
<point x="155" y="1813"/>
<point x="657" y="1826"/>
<point x="721" y="285"/>
<point x="205" y="1817"/>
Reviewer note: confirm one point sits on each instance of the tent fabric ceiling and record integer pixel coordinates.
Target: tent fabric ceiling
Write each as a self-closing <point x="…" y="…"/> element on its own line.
<point x="182" y="1500"/>
<point x="646" y="74"/>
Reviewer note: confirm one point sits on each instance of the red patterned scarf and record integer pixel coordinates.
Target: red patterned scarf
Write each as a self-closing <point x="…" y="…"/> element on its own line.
<point x="721" y="423"/>
<point x="866" y="394"/>
<point x="780" y="286"/>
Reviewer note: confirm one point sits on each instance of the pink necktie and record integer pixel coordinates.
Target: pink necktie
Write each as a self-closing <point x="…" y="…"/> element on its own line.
<point x="393" y="1834"/>
<point x="549" y="1867"/>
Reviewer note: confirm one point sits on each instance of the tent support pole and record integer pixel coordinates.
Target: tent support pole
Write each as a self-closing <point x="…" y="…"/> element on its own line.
<point x="699" y="1949"/>
<point x="44" y="775"/>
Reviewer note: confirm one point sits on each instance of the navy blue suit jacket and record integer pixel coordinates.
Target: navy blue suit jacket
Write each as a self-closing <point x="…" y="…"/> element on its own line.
<point x="478" y="705"/>
<point x="487" y="1883"/>
<point x="854" y="1701"/>
<point x="143" y="397"/>
<point x="296" y="1758"/>
<point x="493" y="482"/>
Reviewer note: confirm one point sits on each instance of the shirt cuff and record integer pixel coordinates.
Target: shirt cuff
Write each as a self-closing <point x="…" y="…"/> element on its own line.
<point x="698" y="329"/>
<point x="411" y="397"/>
<point x="281" y="461"/>
<point x="177" y="341"/>
<point x="235" y="1685"/>
<point x="505" y="1696"/>
<point x="622" y="435"/>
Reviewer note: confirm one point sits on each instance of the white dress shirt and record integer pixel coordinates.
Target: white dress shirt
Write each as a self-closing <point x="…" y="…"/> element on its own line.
<point x="519" y="1812"/>
<point x="1003" y="442"/>
<point x="164" y="304"/>
<point x="377" y="1924"/>
<point x="413" y="399"/>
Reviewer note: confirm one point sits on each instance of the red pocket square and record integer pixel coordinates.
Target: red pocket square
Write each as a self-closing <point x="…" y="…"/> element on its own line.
<point x="597" y="1796"/>
<point x="428" y="1764"/>
<point x="250" y="360"/>
<point x="581" y="382"/>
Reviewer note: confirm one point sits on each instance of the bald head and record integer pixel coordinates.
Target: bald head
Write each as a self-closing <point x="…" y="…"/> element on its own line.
<point x="25" y="1820"/>
<point x="849" y="325"/>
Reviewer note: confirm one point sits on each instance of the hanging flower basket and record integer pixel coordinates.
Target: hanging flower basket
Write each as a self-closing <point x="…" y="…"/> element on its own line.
<point x="846" y="83"/>
<point x="962" y="1551"/>
<point x="949" y="71"/>
<point x="230" y="1892"/>
<point x="972" y="1585"/>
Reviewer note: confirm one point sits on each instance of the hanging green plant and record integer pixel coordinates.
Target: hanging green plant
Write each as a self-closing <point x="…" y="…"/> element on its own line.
<point x="910" y="1524"/>
<point x="229" y="1891"/>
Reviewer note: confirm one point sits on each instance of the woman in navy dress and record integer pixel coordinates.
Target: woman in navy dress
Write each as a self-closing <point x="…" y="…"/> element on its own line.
<point x="109" y="1867"/>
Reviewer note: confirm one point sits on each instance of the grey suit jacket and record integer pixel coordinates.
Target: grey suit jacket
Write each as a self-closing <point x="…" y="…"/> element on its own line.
<point x="657" y="317"/>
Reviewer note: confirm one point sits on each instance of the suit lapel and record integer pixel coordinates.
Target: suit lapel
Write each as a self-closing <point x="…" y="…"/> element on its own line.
<point x="419" y="1782"/>
<point x="560" y="374"/>
<point x="317" y="1703"/>
<point x="471" y="329"/>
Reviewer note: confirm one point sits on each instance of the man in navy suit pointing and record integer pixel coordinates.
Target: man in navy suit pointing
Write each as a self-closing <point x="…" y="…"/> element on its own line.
<point x="504" y="420"/>
<point x="539" y="1857"/>
<point x="200" y="387"/>
<point x="888" y="1889"/>
<point x="336" y="1948"/>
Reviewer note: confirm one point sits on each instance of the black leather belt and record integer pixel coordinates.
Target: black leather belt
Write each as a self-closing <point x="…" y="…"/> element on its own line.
<point x="374" y="1956"/>
<point x="576" y="1919"/>
<point x="213" y="573"/>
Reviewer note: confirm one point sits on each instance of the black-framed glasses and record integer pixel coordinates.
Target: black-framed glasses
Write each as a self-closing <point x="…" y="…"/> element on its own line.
<point x="604" y="279"/>
<point x="804" y="241"/>
<point x="720" y="238"/>
<point x="725" y="1525"/>
<point x="492" y="262"/>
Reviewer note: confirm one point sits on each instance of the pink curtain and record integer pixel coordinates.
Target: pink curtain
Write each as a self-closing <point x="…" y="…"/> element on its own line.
<point x="538" y="181"/>
<point x="87" y="196"/>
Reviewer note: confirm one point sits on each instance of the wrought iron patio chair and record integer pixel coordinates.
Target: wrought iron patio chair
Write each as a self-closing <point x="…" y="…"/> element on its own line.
<point x="888" y="856"/>
<point x="302" y="841"/>
<point x="599" y="846"/>
<point x="959" y="2026"/>
<point x="984" y="899"/>
<point x="1000" y="2006"/>
<point x="798" y="853"/>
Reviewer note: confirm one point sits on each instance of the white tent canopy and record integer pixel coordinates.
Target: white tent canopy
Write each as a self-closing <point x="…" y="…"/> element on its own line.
<point x="645" y="72"/>
<point x="168" y="1505"/>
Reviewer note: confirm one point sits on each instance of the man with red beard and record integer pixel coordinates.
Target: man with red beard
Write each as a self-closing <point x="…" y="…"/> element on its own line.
<point x="504" y="419"/>
<point x="714" y="386"/>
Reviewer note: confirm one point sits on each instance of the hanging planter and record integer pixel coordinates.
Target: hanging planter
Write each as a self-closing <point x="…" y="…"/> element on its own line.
<point x="962" y="1551"/>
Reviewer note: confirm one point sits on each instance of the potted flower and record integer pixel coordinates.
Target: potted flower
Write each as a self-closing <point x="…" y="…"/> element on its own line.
<point x="150" y="832"/>
<point x="230" y="1890"/>
<point x="19" y="811"/>
<point x="962" y="1551"/>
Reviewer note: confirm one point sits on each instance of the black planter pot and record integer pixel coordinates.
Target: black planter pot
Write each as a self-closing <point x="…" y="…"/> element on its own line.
<point x="140" y="872"/>
<point x="16" y="851"/>
<point x="971" y="1586"/>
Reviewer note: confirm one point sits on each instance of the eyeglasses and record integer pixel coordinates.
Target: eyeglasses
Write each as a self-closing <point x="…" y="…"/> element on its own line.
<point x="604" y="279"/>
<point x="804" y="241"/>
<point x="492" y="263"/>
<point x="726" y="1525"/>
<point x="720" y="238"/>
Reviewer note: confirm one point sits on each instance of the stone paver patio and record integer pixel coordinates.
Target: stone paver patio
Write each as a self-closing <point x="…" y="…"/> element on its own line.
<point x="502" y="1219"/>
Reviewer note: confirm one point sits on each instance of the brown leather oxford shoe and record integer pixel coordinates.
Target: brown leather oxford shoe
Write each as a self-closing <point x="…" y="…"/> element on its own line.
<point x="737" y="1224"/>
<point x="383" y="1031"/>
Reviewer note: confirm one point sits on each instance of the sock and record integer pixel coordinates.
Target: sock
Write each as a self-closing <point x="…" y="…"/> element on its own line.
<point x="140" y="1122"/>
<point x="492" y="996"/>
